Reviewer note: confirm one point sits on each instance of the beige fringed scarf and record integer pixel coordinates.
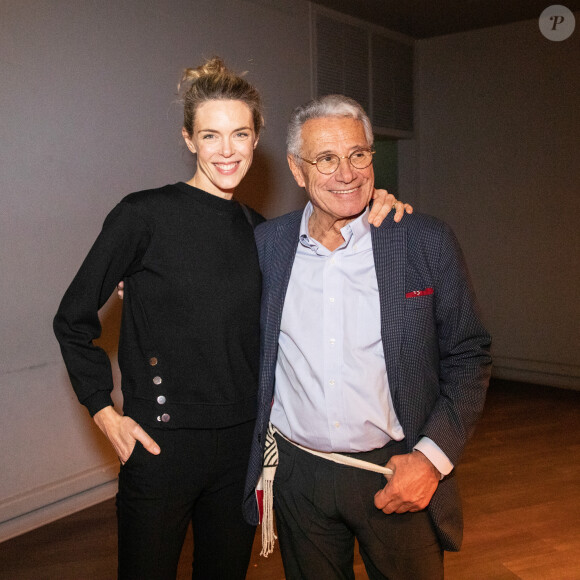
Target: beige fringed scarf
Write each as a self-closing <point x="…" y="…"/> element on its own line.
<point x="269" y="471"/>
<point x="266" y="483"/>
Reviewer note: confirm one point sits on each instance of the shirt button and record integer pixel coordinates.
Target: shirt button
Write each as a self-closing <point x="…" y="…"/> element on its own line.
<point x="332" y="299"/>
<point x="153" y="361"/>
<point x="157" y="380"/>
<point x="161" y="400"/>
<point x="331" y="382"/>
<point x="337" y="424"/>
<point x="332" y="341"/>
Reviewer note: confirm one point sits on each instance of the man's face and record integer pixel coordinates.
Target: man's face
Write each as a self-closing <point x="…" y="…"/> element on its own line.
<point x="344" y="194"/>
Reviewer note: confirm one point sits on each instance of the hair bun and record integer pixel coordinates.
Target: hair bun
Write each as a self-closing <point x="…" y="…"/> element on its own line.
<point x="214" y="66"/>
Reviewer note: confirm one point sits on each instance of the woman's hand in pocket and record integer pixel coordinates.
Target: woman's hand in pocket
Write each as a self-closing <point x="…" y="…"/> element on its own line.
<point x="123" y="433"/>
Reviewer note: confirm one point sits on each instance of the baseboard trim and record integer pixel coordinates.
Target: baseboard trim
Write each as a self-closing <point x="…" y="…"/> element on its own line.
<point x="537" y="372"/>
<point x="46" y="504"/>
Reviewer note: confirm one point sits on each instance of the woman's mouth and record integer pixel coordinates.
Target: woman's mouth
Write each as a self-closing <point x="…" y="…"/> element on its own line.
<point x="227" y="168"/>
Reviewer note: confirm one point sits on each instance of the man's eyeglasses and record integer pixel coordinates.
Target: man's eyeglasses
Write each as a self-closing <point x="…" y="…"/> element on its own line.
<point x="328" y="162"/>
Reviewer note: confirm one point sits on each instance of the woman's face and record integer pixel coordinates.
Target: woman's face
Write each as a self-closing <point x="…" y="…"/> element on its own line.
<point x="224" y="141"/>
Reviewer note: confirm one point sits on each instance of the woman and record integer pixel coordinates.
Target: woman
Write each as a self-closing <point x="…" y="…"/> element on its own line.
<point x="189" y="343"/>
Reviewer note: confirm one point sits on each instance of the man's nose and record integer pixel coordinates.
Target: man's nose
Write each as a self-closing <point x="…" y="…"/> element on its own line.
<point x="345" y="170"/>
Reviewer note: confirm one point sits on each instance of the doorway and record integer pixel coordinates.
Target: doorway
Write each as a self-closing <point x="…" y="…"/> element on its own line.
<point x="385" y="163"/>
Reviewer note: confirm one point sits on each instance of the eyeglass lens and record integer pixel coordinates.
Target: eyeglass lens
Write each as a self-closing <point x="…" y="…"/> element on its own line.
<point x="329" y="163"/>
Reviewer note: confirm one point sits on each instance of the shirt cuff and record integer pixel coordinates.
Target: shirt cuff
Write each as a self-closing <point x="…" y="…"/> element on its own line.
<point x="98" y="401"/>
<point x="433" y="453"/>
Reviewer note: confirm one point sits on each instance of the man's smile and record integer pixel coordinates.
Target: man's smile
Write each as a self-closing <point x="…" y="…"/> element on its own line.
<point x="345" y="191"/>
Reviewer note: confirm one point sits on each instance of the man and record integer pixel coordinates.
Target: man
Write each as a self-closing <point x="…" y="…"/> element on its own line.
<point x="372" y="347"/>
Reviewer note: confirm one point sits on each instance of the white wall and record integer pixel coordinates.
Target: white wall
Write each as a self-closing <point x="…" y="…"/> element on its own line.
<point x="496" y="155"/>
<point x="86" y="117"/>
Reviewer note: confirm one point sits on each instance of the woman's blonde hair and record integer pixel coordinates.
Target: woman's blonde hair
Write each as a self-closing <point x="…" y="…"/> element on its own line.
<point x="214" y="81"/>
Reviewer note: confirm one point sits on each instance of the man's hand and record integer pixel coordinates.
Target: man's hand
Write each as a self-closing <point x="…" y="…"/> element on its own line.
<point x="121" y="289"/>
<point x="383" y="203"/>
<point x="123" y="433"/>
<point x="411" y="486"/>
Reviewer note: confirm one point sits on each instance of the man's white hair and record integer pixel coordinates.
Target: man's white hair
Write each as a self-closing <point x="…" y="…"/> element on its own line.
<point x="327" y="106"/>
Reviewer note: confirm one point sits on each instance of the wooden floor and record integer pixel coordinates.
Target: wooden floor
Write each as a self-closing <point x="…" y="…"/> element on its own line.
<point x="520" y="481"/>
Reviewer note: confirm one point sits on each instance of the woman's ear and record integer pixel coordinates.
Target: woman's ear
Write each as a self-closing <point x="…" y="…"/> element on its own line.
<point x="188" y="140"/>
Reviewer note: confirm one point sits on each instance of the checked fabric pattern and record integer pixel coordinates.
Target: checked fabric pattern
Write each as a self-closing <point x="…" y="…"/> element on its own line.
<point x="435" y="346"/>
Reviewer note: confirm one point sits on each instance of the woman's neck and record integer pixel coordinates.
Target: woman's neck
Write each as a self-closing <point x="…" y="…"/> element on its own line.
<point x="212" y="191"/>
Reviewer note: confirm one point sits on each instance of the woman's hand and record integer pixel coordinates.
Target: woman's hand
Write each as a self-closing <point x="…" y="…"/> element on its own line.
<point x="123" y="433"/>
<point x="383" y="203"/>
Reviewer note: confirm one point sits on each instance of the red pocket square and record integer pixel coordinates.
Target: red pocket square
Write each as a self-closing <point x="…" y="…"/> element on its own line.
<point x="425" y="292"/>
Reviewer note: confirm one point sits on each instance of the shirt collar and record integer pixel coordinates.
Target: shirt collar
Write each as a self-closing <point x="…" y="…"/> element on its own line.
<point x="357" y="233"/>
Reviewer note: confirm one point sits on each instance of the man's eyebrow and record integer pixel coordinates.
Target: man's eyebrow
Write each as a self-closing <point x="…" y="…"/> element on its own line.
<point x="353" y="148"/>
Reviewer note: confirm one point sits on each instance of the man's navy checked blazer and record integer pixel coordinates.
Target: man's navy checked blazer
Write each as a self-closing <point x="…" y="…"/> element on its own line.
<point x="436" y="347"/>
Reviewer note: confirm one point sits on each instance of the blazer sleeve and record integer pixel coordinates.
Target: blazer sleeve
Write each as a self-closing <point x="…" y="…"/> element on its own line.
<point x="264" y="237"/>
<point x="117" y="250"/>
<point x="464" y="353"/>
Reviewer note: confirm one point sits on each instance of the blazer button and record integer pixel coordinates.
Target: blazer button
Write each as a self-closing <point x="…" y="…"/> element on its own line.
<point x="157" y="380"/>
<point x="161" y="400"/>
<point x="165" y="417"/>
<point x="153" y="361"/>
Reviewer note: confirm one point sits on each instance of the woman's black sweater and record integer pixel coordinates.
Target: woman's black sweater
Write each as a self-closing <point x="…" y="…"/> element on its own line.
<point x="189" y="342"/>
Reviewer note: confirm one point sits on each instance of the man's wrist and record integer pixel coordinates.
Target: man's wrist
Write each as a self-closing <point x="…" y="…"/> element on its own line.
<point x="435" y="455"/>
<point x="427" y="461"/>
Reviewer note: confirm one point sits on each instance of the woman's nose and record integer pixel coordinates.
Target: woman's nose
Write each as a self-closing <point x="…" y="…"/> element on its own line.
<point x="227" y="148"/>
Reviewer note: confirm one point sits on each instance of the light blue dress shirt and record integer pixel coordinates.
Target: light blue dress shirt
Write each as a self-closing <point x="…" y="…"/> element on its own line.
<point x="332" y="390"/>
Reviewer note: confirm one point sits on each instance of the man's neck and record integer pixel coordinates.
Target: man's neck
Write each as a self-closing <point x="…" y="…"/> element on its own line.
<point x="326" y="230"/>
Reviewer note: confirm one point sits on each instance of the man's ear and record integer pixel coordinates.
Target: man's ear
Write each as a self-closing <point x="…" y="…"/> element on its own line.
<point x="296" y="171"/>
<point x="187" y="140"/>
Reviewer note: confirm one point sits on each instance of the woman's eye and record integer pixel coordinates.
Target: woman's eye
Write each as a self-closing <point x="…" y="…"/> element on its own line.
<point x="208" y="136"/>
<point x="242" y="135"/>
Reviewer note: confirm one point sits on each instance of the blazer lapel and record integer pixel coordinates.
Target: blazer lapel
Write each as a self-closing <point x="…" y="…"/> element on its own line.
<point x="390" y="256"/>
<point x="282" y="259"/>
<point x="286" y="244"/>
